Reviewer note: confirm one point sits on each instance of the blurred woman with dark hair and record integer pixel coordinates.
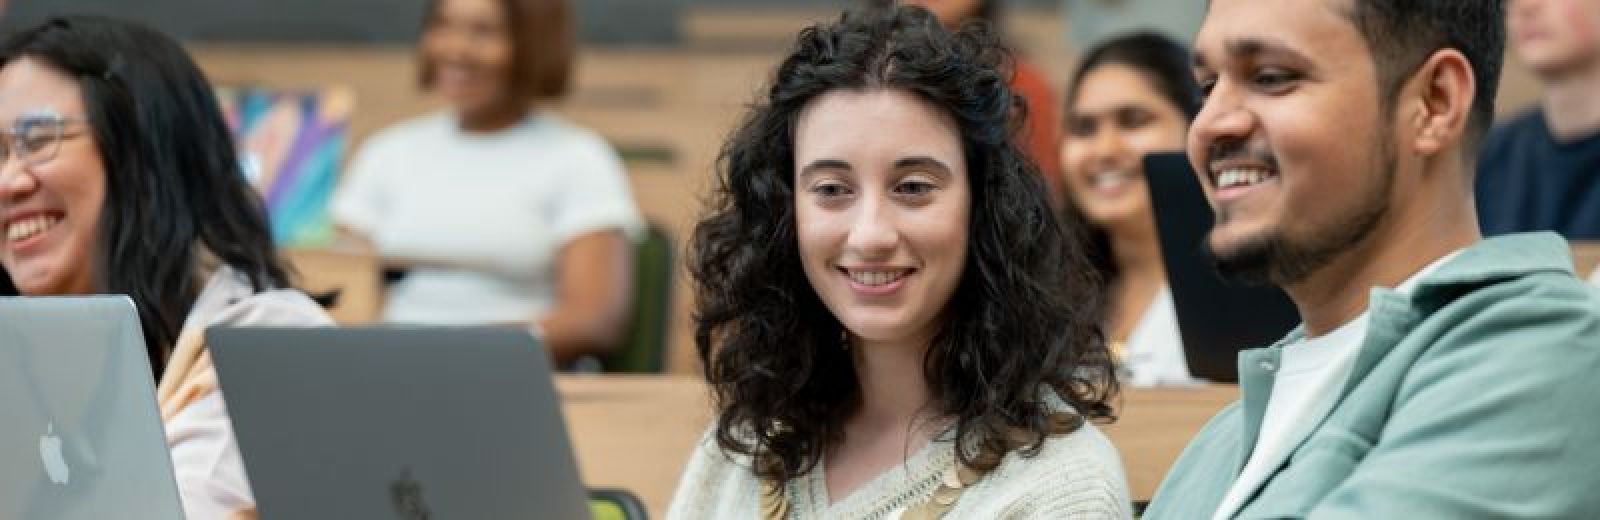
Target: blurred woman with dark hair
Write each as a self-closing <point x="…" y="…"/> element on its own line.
<point x="892" y="320"/>
<point x="118" y="176"/>
<point x="499" y="211"/>
<point x="1131" y="95"/>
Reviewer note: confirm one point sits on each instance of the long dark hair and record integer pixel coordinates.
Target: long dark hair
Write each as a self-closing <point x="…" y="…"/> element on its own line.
<point x="1024" y="317"/>
<point x="1166" y="65"/>
<point x="174" y="191"/>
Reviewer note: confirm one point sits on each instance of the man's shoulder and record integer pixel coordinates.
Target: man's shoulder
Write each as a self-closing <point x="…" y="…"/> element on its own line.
<point x="1201" y="476"/>
<point x="407" y="134"/>
<point x="714" y="482"/>
<point x="1218" y="441"/>
<point x="1546" y="296"/>
<point x="1540" y="326"/>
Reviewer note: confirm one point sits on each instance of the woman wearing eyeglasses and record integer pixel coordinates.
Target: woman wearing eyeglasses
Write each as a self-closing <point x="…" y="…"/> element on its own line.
<point x="118" y="176"/>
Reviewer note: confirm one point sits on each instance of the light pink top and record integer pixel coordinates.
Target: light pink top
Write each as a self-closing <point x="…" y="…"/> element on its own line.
<point x="205" y="456"/>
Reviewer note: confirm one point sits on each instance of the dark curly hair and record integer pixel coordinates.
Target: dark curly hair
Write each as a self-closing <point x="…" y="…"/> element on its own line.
<point x="1024" y="317"/>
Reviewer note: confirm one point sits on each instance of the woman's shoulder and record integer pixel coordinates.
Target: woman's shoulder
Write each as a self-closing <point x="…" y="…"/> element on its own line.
<point x="276" y="307"/>
<point x="1089" y="452"/>
<point x="407" y="133"/>
<point x="714" y="483"/>
<point x="228" y="299"/>
<point x="1079" y="471"/>
<point x="1085" y="453"/>
<point x="712" y="461"/>
<point x="562" y="134"/>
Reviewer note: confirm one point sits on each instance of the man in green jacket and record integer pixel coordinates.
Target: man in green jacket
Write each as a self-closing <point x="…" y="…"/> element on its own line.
<point x="1436" y="374"/>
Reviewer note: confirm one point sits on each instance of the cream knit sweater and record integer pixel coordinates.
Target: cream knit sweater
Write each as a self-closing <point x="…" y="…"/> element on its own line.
<point x="1078" y="475"/>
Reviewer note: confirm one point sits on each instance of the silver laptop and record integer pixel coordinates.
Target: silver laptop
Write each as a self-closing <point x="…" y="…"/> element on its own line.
<point x="80" y="435"/>
<point x="406" y="423"/>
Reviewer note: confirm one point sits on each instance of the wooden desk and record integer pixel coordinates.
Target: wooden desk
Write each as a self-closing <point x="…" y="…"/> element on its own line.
<point x="636" y="432"/>
<point x="358" y="278"/>
<point x="1154" y="425"/>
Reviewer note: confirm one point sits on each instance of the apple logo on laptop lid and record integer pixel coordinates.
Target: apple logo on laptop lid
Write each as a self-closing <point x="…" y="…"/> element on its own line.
<point x="55" y="465"/>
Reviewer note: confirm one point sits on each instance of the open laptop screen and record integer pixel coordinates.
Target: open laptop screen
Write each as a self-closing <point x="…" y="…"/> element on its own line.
<point x="1216" y="318"/>
<point x="80" y="436"/>
<point x="398" y="423"/>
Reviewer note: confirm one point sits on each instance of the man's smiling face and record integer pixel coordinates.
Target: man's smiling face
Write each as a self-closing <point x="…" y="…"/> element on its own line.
<point x="1292" y="145"/>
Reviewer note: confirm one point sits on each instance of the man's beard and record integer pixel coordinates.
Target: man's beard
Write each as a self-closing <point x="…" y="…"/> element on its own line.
<point x="1275" y="258"/>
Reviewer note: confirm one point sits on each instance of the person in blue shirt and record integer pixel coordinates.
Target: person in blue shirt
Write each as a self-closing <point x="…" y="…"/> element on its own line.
<point x="1540" y="171"/>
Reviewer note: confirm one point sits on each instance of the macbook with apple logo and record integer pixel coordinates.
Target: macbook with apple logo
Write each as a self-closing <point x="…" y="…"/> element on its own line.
<point x="80" y="434"/>
<point x="398" y="423"/>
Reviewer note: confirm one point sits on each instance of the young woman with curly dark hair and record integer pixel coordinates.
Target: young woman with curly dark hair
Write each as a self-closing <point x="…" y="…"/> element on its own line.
<point x="891" y="318"/>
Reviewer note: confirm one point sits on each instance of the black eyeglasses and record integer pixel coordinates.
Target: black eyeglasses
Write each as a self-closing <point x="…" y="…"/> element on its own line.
<point x="35" y="138"/>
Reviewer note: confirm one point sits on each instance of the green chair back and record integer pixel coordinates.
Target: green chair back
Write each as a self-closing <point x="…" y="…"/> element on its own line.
<point x="644" y="348"/>
<point x="615" y="504"/>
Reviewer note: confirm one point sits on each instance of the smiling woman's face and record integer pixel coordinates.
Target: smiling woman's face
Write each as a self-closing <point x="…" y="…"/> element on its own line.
<point x="468" y="44"/>
<point x="53" y="189"/>
<point x="881" y="210"/>
<point x="1117" y="118"/>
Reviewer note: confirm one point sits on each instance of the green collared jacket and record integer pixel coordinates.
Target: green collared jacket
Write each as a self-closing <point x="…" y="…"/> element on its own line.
<point x="1477" y="396"/>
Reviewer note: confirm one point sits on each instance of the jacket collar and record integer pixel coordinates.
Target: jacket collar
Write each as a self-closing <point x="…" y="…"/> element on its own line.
<point x="1393" y="313"/>
<point x="1498" y="258"/>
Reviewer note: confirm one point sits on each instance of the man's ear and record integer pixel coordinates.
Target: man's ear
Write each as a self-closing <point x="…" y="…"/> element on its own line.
<point x="1442" y="92"/>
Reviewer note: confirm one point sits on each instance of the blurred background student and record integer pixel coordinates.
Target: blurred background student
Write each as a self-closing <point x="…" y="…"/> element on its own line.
<point x="1540" y="171"/>
<point x="118" y="176"/>
<point x="1039" y="133"/>
<point x="500" y="211"/>
<point x="1131" y="96"/>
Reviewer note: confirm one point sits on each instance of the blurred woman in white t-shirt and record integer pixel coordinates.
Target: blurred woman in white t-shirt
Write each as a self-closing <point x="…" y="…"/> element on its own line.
<point x="499" y="211"/>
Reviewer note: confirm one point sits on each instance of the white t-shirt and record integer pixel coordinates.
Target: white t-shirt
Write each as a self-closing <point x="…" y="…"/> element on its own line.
<point x="1154" y="355"/>
<point x="483" y="216"/>
<point x="1595" y="278"/>
<point x="1307" y="383"/>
